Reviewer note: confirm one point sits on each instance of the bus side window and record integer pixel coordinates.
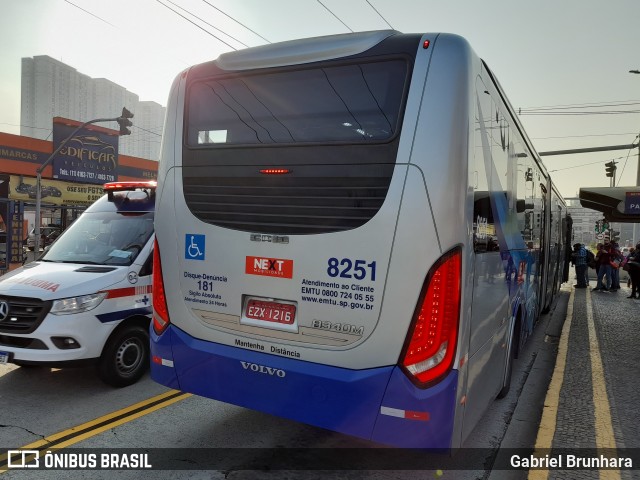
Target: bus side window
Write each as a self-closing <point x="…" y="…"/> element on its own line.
<point x="483" y="222"/>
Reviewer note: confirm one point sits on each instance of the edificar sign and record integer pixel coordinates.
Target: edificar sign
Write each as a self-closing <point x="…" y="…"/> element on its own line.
<point x="90" y="155"/>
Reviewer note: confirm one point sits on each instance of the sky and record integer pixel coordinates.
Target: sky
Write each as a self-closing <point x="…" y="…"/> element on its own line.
<point x="564" y="64"/>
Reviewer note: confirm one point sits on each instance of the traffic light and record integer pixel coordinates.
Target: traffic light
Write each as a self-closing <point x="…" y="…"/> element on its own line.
<point x="615" y="236"/>
<point x="610" y="168"/>
<point x="124" y="122"/>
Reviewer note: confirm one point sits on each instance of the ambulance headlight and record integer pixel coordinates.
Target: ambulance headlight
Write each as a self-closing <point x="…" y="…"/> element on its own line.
<point x="67" y="306"/>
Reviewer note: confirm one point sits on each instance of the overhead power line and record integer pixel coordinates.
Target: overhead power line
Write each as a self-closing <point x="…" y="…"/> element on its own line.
<point x="569" y="107"/>
<point x="206" y="23"/>
<point x="606" y="112"/>
<point x="25" y="126"/>
<point x="239" y="23"/>
<point x="145" y="130"/>
<point x="627" y="159"/>
<point x="583" y="105"/>
<point x="200" y="27"/>
<point x="379" y="14"/>
<point x="92" y="14"/>
<point x="584" y="165"/>
<point x="582" y="136"/>
<point x="337" y="18"/>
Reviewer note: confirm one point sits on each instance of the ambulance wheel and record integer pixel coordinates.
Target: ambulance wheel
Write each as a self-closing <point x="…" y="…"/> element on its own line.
<point x="125" y="358"/>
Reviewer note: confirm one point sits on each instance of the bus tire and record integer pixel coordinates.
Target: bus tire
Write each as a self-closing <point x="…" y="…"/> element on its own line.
<point x="125" y="357"/>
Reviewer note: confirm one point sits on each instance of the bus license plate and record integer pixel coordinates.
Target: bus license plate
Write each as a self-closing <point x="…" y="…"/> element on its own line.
<point x="271" y="311"/>
<point x="4" y="357"/>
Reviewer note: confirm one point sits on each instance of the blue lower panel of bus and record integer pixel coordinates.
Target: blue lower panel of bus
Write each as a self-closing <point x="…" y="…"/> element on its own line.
<point x="378" y="404"/>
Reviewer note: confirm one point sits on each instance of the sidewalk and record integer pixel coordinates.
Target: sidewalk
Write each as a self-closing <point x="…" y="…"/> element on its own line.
<point x="592" y="343"/>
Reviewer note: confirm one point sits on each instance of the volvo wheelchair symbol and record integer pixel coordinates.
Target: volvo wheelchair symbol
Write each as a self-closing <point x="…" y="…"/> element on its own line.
<point x="4" y="311"/>
<point x="194" y="247"/>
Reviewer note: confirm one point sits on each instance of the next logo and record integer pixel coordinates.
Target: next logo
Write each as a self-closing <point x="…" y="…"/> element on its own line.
<point x="270" y="267"/>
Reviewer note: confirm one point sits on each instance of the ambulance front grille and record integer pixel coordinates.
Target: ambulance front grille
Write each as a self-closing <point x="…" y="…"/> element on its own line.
<point x="22" y="315"/>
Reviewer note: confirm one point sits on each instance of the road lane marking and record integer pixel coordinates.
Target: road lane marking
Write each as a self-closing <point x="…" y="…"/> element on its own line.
<point x="89" y="429"/>
<point x="602" y="410"/>
<point x="547" y="427"/>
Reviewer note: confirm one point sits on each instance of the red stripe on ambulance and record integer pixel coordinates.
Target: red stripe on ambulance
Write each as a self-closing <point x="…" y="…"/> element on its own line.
<point x="129" y="291"/>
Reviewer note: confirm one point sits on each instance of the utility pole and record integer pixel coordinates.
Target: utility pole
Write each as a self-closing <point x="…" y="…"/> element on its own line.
<point x="123" y="121"/>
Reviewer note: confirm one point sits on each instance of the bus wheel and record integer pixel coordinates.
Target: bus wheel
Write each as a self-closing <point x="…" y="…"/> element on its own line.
<point x="125" y="357"/>
<point x="506" y="384"/>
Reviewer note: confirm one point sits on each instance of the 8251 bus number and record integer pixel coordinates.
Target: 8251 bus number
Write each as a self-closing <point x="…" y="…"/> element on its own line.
<point x="347" y="268"/>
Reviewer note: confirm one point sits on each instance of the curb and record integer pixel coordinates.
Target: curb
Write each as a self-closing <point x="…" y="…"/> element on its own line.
<point x="523" y="427"/>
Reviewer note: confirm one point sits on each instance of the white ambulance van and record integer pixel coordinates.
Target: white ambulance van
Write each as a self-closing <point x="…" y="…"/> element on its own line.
<point x="87" y="298"/>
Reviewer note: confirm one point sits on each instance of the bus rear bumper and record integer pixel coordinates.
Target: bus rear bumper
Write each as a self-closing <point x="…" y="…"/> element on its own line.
<point x="378" y="404"/>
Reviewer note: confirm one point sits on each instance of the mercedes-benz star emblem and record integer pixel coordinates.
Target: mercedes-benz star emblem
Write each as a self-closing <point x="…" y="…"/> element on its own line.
<point x="4" y="311"/>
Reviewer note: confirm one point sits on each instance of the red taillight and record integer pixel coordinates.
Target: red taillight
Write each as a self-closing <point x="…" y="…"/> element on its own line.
<point x="275" y="171"/>
<point x="431" y="345"/>
<point x="160" y="311"/>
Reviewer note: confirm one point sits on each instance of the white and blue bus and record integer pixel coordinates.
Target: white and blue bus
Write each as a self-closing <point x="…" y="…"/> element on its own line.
<point x="352" y="231"/>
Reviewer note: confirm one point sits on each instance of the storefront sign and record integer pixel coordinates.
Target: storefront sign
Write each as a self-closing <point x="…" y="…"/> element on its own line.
<point x="16" y="235"/>
<point x="90" y="156"/>
<point x="4" y="221"/>
<point x="53" y="191"/>
<point x="20" y="154"/>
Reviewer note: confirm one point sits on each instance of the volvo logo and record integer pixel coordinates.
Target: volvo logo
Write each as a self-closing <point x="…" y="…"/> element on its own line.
<point x="254" y="367"/>
<point x="4" y="311"/>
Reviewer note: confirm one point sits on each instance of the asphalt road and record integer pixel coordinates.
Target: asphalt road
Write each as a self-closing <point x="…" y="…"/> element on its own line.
<point x="38" y="403"/>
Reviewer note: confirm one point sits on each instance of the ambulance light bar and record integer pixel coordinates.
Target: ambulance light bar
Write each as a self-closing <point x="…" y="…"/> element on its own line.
<point x="124" y="186"/>
<point x="112" y="187"/>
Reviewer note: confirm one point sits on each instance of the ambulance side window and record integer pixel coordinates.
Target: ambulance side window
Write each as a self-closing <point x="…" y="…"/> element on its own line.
<point x="147" y="268"/>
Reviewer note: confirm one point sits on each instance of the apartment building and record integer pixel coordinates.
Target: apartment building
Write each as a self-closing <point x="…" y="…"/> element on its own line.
<point x="51" y="88"/>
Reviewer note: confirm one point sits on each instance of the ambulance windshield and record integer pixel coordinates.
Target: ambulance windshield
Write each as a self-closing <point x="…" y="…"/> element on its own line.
<point x="102" y="238"/>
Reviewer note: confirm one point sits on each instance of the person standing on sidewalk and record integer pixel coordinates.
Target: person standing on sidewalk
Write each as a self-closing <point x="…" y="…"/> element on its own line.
<point x="603" y="259"/>
<point x="634" y="272"/>
<point x="625" y="267"/>
<point x="617" y="257"/>
<point x="579" y="260"/>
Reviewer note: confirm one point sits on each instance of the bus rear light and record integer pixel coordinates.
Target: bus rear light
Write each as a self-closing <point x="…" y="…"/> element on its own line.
<point x="431" y="343"/>
<point x="275" y="171"/>
<point x="160" y="310"/>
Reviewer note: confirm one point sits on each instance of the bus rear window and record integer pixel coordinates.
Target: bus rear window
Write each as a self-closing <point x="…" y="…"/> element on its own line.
<point x="355" y="103"/>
